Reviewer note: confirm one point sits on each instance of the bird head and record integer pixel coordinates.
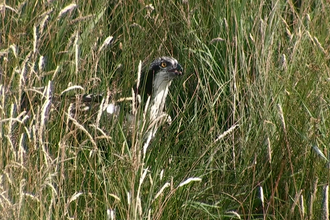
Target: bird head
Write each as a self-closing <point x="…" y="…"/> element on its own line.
<point x="167" y="66"/>
<point x="161" y="72"/>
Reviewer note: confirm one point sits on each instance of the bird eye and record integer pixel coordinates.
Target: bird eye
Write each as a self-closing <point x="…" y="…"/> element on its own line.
<point x="163" y="64"/>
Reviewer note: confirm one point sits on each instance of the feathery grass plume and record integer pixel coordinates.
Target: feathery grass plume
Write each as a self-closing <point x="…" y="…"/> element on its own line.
<point x="217" y="39"/>
<point x="75" y="196"/>
<point x="22" y="79"/>
<point x="11" y="119"/>
<point x="302" y="205"/>
<point x="45" y="109"/>
<point x="284" y="64"/>
<point x="139" y="74"/>
<point x="72" y="88"/>
<point x="307" y="21"/>
<point x="262" y="196"/>
<point x="99" y="113"/>
<point x="106" y="42"/>
<point x="66" y="9"/>
<point x="2" y="103"/>
<point x="48" y="94"/>
<point x="53" y="198"/>
<point x="234" y="213"/>
<point x="138" y="208"/>
<point x="16" y="119"/>
<point x="14" y="48"/>
<point x="21" y="149"/>
<point x="4" y="6"/>
<point x="166" y="185"/>
<point x="35" y="39"/>
<point x="269" y="150"/>
<point x="135" y="96"/>
<point x="128" y="194"/>
<point x="82" y="128"/>
<point x="319" y="152"/>
<point x="161" y="175"/>
<point x="57" y="70"/>
<point x="33" y="197"/>
<point x="296" y="203"/>
<point x="191" y="179"/>
<point x="319" y="45"/>
<point x="11" y="147"/>
<point x="138" y="205"/>
<point x="76" y="47"/>
<point x="41" y="63"/>
<point x="44" y="20"/>
<point x="313" y="197"/>
<point x="34" y="132"/>
<point x="224" y="134"/>
<point x="147" y="142"/>
<point x="103" y="134"/>
<point x="69" y="112"/>
<point x="21" y="196"/>
<point x="325" y="203"/>
<point x="115" y="197"/>
<point x="50" y="182"/>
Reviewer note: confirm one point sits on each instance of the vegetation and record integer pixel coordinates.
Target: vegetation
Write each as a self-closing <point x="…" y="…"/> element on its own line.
<point x="250" y="131"/>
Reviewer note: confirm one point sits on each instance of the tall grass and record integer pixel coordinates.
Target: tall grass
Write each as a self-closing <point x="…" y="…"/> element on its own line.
<point x="249" y="137"/>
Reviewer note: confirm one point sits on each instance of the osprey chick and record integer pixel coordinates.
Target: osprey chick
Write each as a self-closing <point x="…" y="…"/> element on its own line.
<point x="154" y="85"/>
<point x="156" y="82"/>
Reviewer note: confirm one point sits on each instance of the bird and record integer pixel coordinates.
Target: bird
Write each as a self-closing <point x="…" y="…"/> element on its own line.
<point x="155" y="83"/>
<point x="150" y="93"/>
<point x="151" y="90"/>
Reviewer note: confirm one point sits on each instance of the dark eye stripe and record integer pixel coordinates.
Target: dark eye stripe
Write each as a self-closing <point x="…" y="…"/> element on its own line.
<point x="156" y="65"/>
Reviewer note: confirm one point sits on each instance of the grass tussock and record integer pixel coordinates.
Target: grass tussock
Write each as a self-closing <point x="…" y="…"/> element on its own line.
<point x="249" y="137"/>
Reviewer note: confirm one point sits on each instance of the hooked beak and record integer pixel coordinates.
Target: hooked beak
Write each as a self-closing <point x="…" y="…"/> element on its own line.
<point x="178" y="71"/>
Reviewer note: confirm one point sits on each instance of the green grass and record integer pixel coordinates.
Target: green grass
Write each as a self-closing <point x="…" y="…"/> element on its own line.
<point x="250" y="115"/>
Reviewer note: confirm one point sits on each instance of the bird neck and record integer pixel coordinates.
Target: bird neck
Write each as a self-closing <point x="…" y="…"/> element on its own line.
<point x="160" y="92"/>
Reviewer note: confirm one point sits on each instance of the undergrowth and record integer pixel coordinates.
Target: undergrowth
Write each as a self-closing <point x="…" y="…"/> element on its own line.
<point x="249" y="137"/>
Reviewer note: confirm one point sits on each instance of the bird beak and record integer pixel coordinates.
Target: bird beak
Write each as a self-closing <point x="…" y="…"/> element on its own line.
<point x="178" y="71"/>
